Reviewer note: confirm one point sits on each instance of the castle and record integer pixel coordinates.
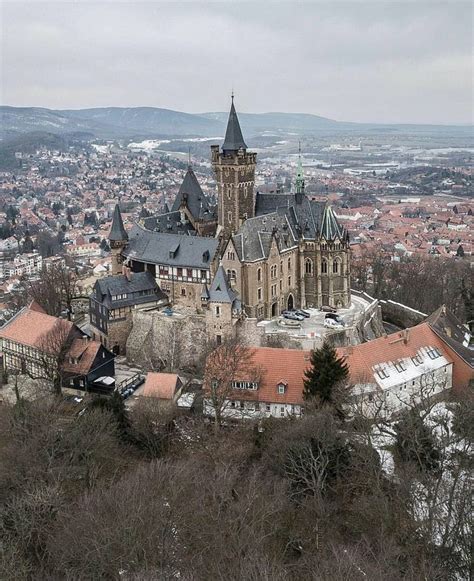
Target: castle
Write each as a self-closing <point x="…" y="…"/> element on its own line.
<point x="254" y="255"/>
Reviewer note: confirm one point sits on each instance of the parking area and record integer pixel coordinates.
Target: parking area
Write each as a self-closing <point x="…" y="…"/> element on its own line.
<point x="312" y="330"/>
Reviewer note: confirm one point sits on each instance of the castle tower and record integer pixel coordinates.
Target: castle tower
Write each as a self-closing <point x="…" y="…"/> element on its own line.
<point x="234" y="167"/>
<point x="118" y="239"/>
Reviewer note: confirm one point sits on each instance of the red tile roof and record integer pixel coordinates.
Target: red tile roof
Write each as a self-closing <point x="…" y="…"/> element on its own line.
<point x="160" y="385"/>
<point x="400" y="345"/>
<point x="270" y="366"/>
<point x="31" y="327"/>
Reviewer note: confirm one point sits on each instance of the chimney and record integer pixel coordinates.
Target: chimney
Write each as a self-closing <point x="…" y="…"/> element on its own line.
<point x="128" y="273"/>
<point x="406" y="334"/>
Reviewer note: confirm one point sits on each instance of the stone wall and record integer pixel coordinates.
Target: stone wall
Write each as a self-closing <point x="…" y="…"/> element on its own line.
<point x="401" y="315"/>
<point x="162" y="343"/>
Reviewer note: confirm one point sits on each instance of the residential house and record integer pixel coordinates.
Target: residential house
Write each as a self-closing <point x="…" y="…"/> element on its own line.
<point x="33" y="342"/>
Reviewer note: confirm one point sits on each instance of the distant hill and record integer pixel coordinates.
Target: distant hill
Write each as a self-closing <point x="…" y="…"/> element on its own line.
<point x="152" y="122"/>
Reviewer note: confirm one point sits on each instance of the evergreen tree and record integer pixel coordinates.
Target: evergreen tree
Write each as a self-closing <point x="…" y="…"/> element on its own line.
<point x="325" y="373"/>
<point x="415" y="442"/>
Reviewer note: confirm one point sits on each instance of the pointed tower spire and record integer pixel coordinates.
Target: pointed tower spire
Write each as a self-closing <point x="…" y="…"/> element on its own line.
<point x="299" y="177"/>
<point x="117" y="231"/>
<point x="233" y="140"/>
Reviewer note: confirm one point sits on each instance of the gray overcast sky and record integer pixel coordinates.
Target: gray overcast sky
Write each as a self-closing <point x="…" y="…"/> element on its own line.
<point x="384" y="61"/>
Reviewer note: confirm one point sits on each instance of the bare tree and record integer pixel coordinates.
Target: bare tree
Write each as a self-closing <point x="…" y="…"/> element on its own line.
<point x="225" y="363"/>
<point x="54" y="290"/>
<point x="51" y="353"/>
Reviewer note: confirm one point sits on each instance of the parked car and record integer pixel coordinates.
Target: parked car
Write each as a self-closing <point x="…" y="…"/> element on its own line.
<point x="335" y="317"/>
<point x="293" y="316"/>
<point x="327" y="309"/>
<point x="304" y="314"/>
<point x="332" y="324"/>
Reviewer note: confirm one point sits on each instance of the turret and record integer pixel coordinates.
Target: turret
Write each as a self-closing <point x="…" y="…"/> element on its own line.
<point x="118" y="239"/>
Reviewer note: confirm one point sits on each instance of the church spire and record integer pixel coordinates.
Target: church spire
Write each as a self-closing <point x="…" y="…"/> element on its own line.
<point x="299" y="177"/>
<point x="233" y="140"/>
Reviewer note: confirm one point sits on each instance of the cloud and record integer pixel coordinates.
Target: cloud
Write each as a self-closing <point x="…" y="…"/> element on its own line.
<point x="362" y="61"/>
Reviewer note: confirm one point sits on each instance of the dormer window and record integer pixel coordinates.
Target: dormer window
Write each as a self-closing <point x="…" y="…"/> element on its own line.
<point x="417" y="360"/>
<point x="433" y="353"/>
<point x="400" y="366"/>
<point x="281" y="387"/>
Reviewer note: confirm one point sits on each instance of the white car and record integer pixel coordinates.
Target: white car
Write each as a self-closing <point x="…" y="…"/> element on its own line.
<point x="332" y="324"/>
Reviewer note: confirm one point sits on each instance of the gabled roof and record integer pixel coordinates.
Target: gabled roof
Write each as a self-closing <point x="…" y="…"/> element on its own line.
<point x="271" y="367"/>
<point x="233" y="136"/>
<point x="117" y="231"/>
<point x="131" y="286"/>
<point x="35" y="328"/>
<point x="191" y="193"/>
<point x="161" y="385"/>
<point x="221" y="291"/>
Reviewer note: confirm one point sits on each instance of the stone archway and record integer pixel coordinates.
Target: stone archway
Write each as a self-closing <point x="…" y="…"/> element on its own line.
<point x="274" y="309"/>
<point x="291" y="302"/>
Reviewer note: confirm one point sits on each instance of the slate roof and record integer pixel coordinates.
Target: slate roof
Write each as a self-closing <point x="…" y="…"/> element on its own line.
<point x="450" y="330"/>
<point x="309" y="218"/>
<point x="110" y="286"/>
<point x="221" y="291"/>
<point x="195" y="199"/>
<point x="330" y="227"/>
<point x="170" y="249"/>
<point x="117" y="231"/>
<point x="254" y="238"/>
<point x="169" y="223"/>
<point x="233" y="136"/>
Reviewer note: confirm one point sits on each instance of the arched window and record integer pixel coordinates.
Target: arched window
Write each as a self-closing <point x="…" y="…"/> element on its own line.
<point x="233" y="275"/>
<point x="259" y="275"/>
<point x="308" y="266"/>
<point x="228" y="273"/>
<point x="336" y="266"/>
<point x="324" y="266"/>
<point x="289" y="264"/>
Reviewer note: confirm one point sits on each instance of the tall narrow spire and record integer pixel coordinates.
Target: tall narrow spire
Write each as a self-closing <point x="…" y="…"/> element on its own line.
<point x="299" y="173"/>
<point x="117" y="231"/>
<point x="233" y="140"/>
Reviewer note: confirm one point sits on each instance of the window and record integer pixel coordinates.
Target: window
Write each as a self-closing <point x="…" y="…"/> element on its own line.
<point x="218" y="311"/>
<point x="259" y="294"/>
<point x="183" y="292"/>
<point x="400" y="366"/>
<point x="335" y="266"/>
<point x="417" y="360"/>
<point x="382" y="373"/>
<point x="281" y="388"/>
<point x="289" y="263"/>
<point x="273" y="271"/>
<point x="289" y="281"/>
<point x="324" y="266"/>
<point x="230" y="255"/>
<point x="218" y="339"/>
<point x="259" y="275"/>
<point x="433" y="353"/>
<point x="267" y="407"/>
<point x="308" y="266"/>
<point x="281" y="266"/>
<point x="244" y="385"/>
<point x="189" y="272"/>
<point x="282" y="411"/>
